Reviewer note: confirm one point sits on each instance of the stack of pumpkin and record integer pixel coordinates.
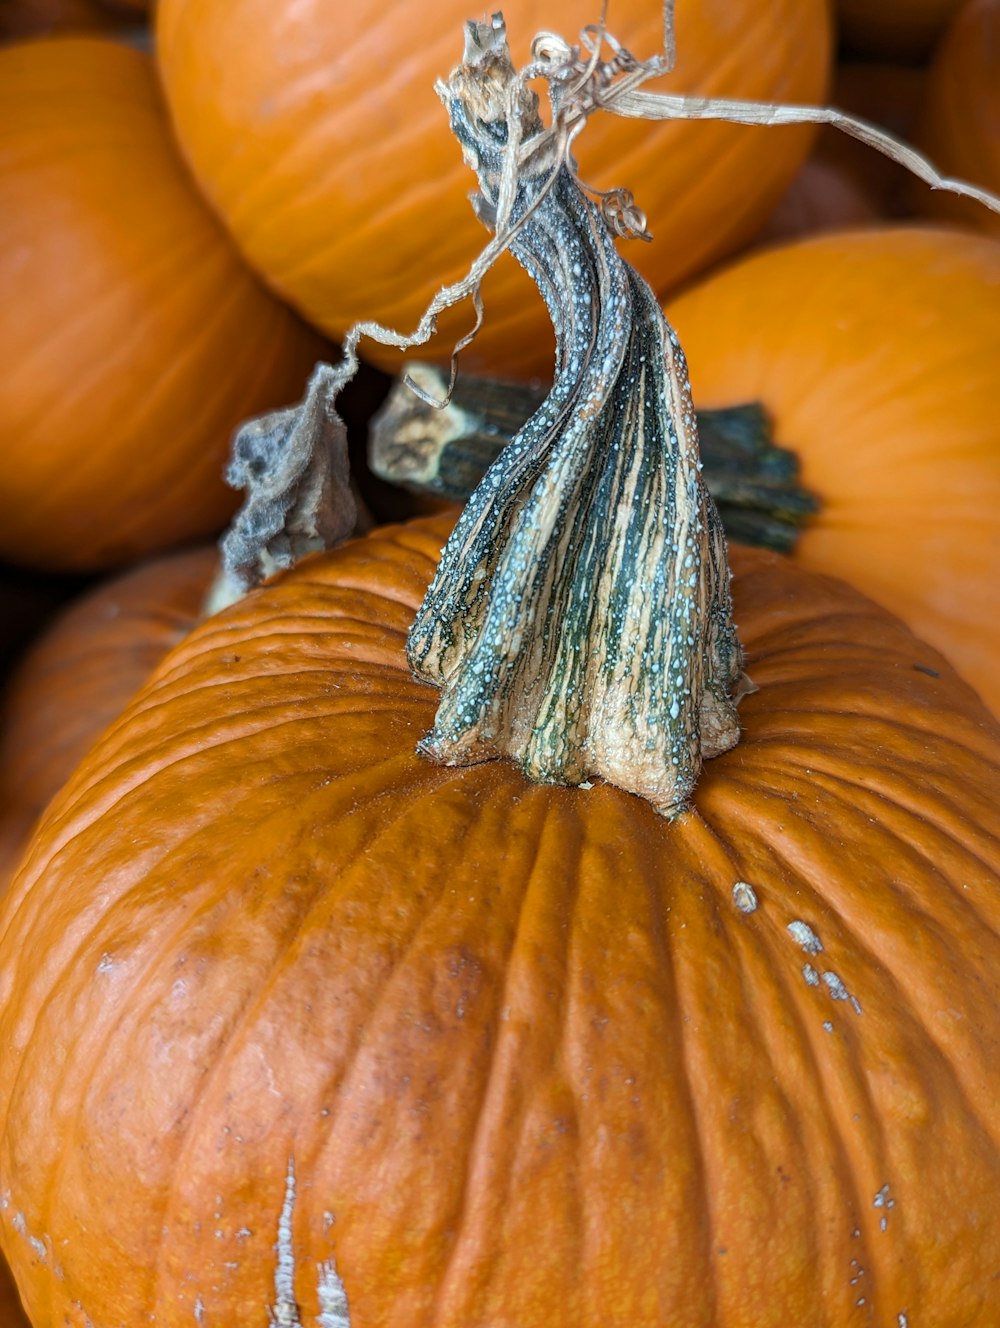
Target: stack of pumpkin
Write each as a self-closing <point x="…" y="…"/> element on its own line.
<point x="294" y="1022"/>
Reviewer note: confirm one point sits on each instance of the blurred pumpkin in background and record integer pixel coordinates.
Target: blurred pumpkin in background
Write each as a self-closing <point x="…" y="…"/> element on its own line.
<point x="316" y="134"/>
<point x="959" y="125"/>
<point x="875" y="353"/>
<point x="133" y="338"/>
<point x="76" y="678"/>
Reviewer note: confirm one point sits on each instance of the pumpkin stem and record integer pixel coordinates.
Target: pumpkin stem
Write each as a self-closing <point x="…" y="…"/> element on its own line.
<point x="580" y="619"/>
<point x="447" y="451"/>
<point x="293" y="466"/>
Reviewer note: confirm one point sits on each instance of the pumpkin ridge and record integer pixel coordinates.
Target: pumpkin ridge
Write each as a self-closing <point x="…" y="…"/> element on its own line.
<point x="823" y="1075"/>
<point x="219" y="306"/>
<point x="260" y="357"/>
<point x="71" y="329"/>
<point x="263" y="989"/>
<point x="957" y="836"/>
<point x="835" y="919"/>
<point x="710" y="1287"/>
<point x="503" y="1071"/>
<point x="750" y="950"/>
<point x="220" y="1053"/>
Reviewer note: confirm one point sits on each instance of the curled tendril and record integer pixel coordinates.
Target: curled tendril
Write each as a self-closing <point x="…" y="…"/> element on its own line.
<point x="622" y="216"/>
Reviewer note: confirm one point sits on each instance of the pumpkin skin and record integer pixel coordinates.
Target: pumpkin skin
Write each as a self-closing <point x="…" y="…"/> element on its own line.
<point x="875" y="354"/>
<point x="898" y="29"/>
<point x="133" y="338"/>
<point x="323" y="146"/>
<point x="473" y="1052"/>
<point x="76" y="678"/>
<point x="960" y="118"/>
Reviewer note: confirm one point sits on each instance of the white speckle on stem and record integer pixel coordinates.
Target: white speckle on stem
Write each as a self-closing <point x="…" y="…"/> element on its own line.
<point x="744" y="897"/>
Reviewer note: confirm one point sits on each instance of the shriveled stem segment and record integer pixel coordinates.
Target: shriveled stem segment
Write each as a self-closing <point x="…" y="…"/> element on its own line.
<point x="447" y="451"/>
<point x="580" y="619"/>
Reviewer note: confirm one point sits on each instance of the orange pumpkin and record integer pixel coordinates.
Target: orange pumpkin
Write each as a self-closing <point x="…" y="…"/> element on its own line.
<point x="132" y="337"/>
<point x="78" y="676"/>
<point x="348" y="1037"/>
<point x="875" y="353"/>
<point x="899" y="29"/>
<point x="318" y="138"/>
<point x="960" y="118"/>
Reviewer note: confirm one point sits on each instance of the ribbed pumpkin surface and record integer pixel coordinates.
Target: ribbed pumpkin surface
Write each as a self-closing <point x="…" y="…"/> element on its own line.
<point x="316" y="133"/>
<point x="78" y="677"/>
<point x="876" y="356"/>
<point x="295" y="1020"/>
<point x="132" y="336"/>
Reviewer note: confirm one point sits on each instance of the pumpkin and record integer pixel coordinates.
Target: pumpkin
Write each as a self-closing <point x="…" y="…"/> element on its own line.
<point x="76" y="678"/>
<point x="132" y="337"/>
<point x="960" y="118"/>
<point x="899" y="29"/>
<point x="875" y="355"/>
<point x="322" y="145"/>
<point x="353" y="1038"/>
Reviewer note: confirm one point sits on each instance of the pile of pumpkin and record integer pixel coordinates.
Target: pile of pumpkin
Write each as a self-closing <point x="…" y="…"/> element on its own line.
<point x="294" y="1022"/>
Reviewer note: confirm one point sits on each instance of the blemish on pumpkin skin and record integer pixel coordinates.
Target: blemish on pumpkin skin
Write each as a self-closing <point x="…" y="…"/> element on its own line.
<point x="805" y="936"/>
<point x="745" y="897"/>
<point x="884" y="1200"/>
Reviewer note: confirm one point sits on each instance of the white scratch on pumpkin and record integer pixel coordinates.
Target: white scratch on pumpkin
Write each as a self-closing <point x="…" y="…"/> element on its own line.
<point x="810" y="975"/>
<point x="902" y="1320"/>
<point x="744" y="897"/>
<point x="334" y="1311"/>
<point x="805" y="936"/>
<point x="285" y="1312"/>
<point x="839" y="992"/>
